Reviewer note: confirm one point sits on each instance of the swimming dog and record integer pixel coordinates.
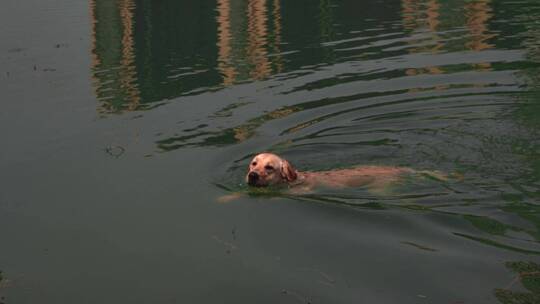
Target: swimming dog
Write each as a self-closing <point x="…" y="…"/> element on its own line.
<point x="268" y="169"/>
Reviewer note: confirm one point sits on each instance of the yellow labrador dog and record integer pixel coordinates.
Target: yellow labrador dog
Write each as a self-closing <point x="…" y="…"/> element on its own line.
<point x="268" y="169"/>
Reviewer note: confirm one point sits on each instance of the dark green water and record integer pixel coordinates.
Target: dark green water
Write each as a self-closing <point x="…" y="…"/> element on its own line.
<point x="124" y="120"/>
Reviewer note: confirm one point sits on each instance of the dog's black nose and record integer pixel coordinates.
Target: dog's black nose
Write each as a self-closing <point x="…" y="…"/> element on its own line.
<point x="253" y="177"/>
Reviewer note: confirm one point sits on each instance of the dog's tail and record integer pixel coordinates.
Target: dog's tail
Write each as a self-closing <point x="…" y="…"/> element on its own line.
<point x="438" y="175"/>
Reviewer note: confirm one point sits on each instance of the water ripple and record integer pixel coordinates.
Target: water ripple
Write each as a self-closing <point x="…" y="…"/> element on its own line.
<point x="427" y="84"/>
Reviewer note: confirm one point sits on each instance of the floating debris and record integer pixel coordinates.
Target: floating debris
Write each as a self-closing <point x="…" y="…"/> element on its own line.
<point x="115" y="151"/>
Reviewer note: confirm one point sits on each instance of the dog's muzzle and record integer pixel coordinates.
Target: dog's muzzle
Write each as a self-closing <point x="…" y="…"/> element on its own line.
<point x="253" y="178"/>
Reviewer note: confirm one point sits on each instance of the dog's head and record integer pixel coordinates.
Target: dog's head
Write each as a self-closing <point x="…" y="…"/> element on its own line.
<point x="268" y="169"/>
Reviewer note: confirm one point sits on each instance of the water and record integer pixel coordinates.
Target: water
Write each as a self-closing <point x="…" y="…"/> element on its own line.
<point x="124" y="121"/>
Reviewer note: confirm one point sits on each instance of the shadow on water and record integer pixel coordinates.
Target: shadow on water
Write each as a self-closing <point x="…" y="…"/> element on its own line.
<point x="428" y="84"/>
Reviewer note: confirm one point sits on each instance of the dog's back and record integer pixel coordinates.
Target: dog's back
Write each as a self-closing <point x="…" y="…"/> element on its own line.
<point x="355" y="177"/>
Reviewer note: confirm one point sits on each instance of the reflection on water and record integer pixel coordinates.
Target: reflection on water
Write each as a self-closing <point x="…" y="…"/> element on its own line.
<point x="143" y="60"/>
<point x="244" y="57"/>
<point x="478" y="14"/>
<point x="446" y="85"/>
<point x="113" y="59"/>
<point x="152" y="57"/>
<point x="145" y="53"/>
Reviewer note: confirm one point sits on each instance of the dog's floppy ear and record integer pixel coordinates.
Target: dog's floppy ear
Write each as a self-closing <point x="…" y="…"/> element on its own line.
<point x="287" y="171"/>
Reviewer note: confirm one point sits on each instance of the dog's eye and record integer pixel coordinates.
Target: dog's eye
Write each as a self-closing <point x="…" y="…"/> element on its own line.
<point x="270" y="168"/>
<point x="254" y="163"/>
